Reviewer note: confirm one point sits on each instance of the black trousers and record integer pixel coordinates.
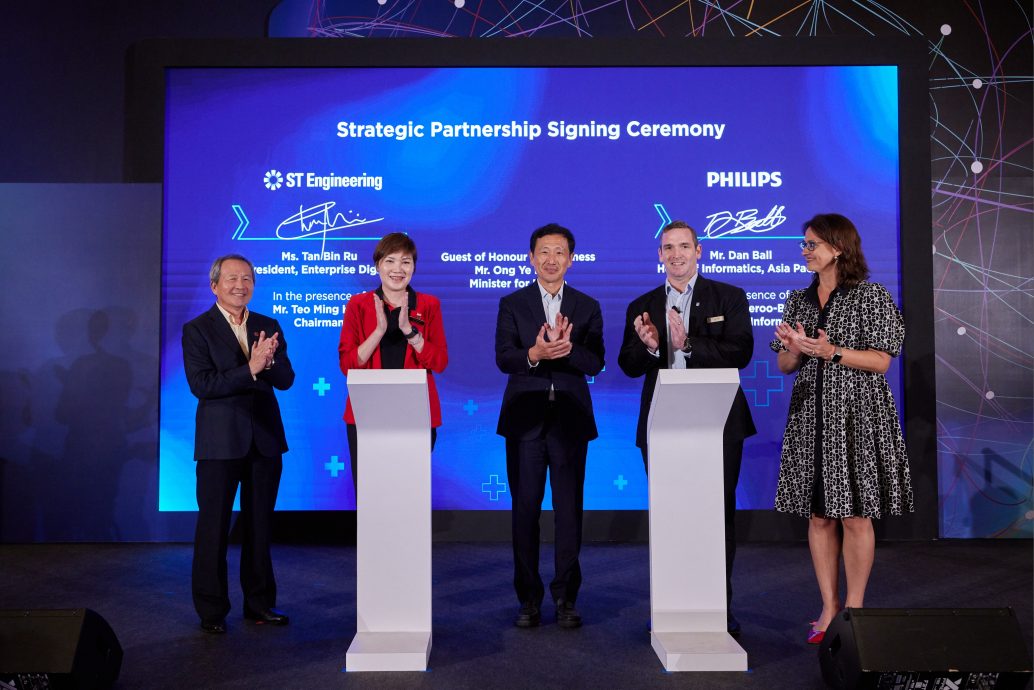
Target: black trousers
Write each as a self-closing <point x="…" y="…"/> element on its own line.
<point x="353" y="442"/>
<point x="217" y="480"/>
<point x="732" y="458"/>
<point x="526" y="465"/>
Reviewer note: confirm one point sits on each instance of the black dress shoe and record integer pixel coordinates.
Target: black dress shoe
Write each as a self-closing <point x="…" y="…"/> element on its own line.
<point x="214" y="627"/>
<point x="271" y="616"/>
<point x="529" y="616"/>
<point x="567" y="615"/>
<point x="733" y="625"/>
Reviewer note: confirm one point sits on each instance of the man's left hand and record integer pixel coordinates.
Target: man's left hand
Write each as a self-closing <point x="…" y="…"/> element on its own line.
<point x="560" y="331"/>
<point x="676" y="328"/>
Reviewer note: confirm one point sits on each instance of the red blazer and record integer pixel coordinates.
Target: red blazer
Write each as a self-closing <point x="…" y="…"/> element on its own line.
<point x="360" y="322"/>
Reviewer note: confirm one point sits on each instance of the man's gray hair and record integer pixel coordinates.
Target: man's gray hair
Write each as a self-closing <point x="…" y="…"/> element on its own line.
<point x="217" y="267"/>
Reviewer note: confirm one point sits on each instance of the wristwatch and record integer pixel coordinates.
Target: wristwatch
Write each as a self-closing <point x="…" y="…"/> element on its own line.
<point x="412" y="334"/>
<point x="838" y="354"/>
<point x="687" y="345"/>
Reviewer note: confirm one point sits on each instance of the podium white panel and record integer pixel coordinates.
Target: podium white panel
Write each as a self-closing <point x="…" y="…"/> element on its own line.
<point x="699" y="651"/>
<point x="389" y="651"/>
<point x="687" y="520"/>
<point x="393" y="520"/>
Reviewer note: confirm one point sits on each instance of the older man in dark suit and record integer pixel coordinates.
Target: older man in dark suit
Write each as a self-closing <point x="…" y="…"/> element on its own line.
<point x="234" y="359"/>
<point x="691" y="322"/>
<point x="548" y="338"/>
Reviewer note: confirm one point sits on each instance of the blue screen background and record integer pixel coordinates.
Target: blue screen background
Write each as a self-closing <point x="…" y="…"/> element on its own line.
<point x="831" y="133"/>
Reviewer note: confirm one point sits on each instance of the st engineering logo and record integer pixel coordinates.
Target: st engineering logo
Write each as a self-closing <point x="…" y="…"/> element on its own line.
<point x="274" y="180"/>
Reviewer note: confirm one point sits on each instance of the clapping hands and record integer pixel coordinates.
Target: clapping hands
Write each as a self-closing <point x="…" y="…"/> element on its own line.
<point x="552" y="342"/>
<point x="382" y="319"/>
<point x="647" y="332"/>
<point x="263" y="352"/>
<point x="797" y="342"/>
<point x="676" y="329"/>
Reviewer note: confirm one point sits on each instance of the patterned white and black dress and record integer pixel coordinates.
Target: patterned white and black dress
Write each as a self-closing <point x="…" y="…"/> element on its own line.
<point x="849" y="458"/>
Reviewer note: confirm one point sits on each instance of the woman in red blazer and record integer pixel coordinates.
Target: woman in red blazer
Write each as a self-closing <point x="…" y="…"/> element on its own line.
<point x="393" y="327"/>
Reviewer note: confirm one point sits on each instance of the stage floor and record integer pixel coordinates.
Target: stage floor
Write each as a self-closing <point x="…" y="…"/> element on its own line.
<point x="143" y="590"/>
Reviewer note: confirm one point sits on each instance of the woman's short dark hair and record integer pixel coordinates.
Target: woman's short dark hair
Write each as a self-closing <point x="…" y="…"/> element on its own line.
<point x="553" y="229"/>
<point x="394" y="242"/>
<point x="838" y="231"/>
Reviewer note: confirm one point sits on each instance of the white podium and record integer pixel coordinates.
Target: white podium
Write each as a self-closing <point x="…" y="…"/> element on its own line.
<point x="687" y="521"/>
<point x="393" y="520"/>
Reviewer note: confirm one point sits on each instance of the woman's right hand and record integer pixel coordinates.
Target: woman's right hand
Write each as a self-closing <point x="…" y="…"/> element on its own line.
<point x="791" y="337"/>
<point x="382" y="318"/>
<point x="367" y="347"/>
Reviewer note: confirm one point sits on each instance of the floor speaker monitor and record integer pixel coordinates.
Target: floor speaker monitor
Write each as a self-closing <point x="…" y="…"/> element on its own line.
<point x="58" y="648"/>
<point x="925" y="649"/>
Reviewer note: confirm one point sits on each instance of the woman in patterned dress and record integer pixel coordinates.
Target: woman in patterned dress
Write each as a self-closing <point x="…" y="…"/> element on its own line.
<point x="843" y="461"/>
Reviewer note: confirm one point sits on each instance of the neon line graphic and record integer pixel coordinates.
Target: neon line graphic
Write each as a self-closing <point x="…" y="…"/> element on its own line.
<point x="243" y="221"/>
<point x="665" y="218"/>
<point x="307" y="229"/>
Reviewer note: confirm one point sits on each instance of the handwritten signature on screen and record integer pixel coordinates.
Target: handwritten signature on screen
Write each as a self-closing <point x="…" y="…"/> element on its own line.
<point x="316" y="221"/>
<point x="728" y="223"/>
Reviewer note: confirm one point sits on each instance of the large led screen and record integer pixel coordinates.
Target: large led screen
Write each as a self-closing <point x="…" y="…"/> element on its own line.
<point x="303" y="169"/>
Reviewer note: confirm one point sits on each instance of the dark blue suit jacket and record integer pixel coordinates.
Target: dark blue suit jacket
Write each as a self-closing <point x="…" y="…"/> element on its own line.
<point x="719" y="323"/>
<point x="521" y="314"/>
<point x="233" y="410"/>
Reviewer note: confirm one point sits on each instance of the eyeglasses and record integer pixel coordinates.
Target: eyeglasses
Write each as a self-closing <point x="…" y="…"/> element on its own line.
<point x="810" y="244"/>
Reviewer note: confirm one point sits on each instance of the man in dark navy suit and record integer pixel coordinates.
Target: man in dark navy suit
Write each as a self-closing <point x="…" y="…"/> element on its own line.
<point x="234" y="359"/>
<point x="691" y="322"/>
<point x="548" y="338"/>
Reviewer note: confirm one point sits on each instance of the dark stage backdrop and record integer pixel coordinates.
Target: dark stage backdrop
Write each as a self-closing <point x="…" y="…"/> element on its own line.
<point x="79" y="270"/>
<point x="79" y="373"/>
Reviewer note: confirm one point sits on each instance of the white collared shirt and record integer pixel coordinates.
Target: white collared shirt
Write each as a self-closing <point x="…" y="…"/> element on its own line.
<point x="239" y="330"/>
<point x="551" y="303"/>
<point x="682" y="301"/>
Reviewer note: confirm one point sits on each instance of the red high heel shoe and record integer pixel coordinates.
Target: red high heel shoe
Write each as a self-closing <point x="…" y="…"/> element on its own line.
<point x="816" y="636"/>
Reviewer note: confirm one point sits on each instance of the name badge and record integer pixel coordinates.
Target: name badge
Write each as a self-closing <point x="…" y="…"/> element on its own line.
<point x="716" y="319"/>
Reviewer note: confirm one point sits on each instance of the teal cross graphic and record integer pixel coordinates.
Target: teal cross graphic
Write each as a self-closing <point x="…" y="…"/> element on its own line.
<point x="761" y="383"/>
<point x="493" y="487"/>
<point x="334" y="466"/>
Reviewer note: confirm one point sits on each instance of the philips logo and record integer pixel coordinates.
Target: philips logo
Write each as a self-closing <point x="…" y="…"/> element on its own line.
<point x="742" y="178"/>
<point x="273" y="180"/>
